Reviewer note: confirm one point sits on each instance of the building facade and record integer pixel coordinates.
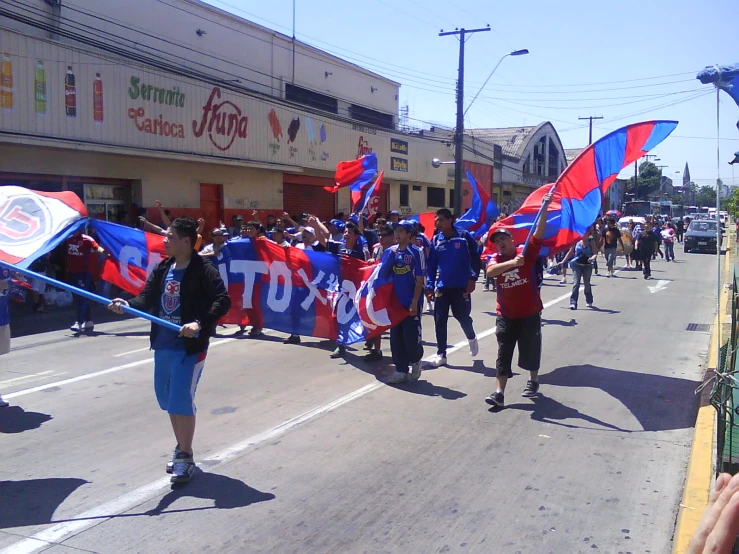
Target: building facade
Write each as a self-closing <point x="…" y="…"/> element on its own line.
<point x="215" y="120"/>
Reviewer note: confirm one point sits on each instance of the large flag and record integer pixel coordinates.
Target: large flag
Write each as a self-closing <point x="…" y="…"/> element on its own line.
<point x="578" y="190"/>
<point x="33" y="223"/>
<point x="482" y="213"/>
<point x="132" y="254"/>
<point x="361" y="198"/>
<point x="725" y="78"/>
<point x="355" y="173"/>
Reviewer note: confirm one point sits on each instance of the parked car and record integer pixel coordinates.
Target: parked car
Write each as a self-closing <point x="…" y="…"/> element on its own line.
<point x="702" y="236"/>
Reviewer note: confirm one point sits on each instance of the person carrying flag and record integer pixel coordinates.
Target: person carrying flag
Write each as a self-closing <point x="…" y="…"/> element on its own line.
<point x="454" y="257"/>
<point x="79" y="249"/>
<point x="188" y="291"/>
<point x="404" y="262"/>
<point x="519" y="306"/>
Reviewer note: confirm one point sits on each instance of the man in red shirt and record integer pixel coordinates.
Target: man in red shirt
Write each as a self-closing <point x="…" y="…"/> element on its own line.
<point x="79" y="260"/>
<point x="519" y="307"/>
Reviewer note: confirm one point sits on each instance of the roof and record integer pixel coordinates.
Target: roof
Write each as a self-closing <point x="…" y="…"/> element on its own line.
<point x="572" y="153"/>
<point x="510" y="139"/>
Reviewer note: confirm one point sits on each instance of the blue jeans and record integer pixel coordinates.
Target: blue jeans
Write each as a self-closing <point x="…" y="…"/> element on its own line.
<point x="81" y="281"/>
<point x="461" y="308"/>
<point x="405" y="343"/>
<point x="610" y="252"/>
<point x="581" y="272"/>
<point x="669" y="251"/>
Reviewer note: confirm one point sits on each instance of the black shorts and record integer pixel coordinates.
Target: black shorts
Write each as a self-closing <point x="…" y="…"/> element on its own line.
<point x="524" y="332"/>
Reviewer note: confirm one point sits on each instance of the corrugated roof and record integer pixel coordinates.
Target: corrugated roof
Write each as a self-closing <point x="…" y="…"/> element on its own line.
<point x="510" y="139"/>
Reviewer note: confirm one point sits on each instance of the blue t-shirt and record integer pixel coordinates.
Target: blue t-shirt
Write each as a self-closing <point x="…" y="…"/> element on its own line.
<point x="339" y="248"/>
<point x="5" y="298"/>
<point x="404" y="266"/>
<point x="582" y="254"/>
<point x="170" y="309"/>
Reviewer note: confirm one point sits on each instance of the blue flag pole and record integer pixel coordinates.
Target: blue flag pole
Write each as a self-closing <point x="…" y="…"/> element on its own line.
<point x="90" y="296"/>
<point x="541" y="213"/>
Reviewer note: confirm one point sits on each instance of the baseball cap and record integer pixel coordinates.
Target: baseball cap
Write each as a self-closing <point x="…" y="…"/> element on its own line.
<point x="239" y="218"/>
<point x="500" y="231"/>
<point x="340" y="225"/>
<point x="310" y="230"/>
<point x="407" y="225"/>
<point x="394" y="212"/>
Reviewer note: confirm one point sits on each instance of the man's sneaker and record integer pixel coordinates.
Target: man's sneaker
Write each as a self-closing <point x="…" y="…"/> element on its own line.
<point x="415" y="371"/>
<point x="573" y="306"/>
<point x="183" y="468"/>
<point x="496" y="399"/>
<point x="373" y="356"/>
<point x="396" y="378"/>
<point x="474" y="347"/>
<point x="590" y="304"/>
<point x="88" y="326"/>
<point x="292" y="339"/>
<point x="532" y="389"/>
<point x="255" y="332"/>
<point x="3" y="403"/>
<point x="564" y="280"/>
<point x="170" y="463"/>
<point x="76" y="327"/>
<point x="368" y="345"/>
<point x="338" y="352"/>
<point x="437" y="361"/>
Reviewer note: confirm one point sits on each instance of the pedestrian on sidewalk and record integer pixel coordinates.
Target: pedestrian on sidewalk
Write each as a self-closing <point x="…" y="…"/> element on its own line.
<point x="454" y="256"/>
<point x="580" y="258"/>
<point x="188" y="291"/>
<point x="519" y="307"/>
<point x="4" y="317"/>
<point x="404" y="262"/>
<point x="611" y="241"/>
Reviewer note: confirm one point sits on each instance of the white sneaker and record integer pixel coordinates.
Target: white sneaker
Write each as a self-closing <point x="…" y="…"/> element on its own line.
<point x="437" y="361"/>
<point x="75" y="327"/>
<point x="590" y="304"/>
<point x="474" y="347"/>
<point x="88" y="326"/>
<point x="415" y="371"/>
<point x="396" y="378"/>
<point x="564" y="280"/>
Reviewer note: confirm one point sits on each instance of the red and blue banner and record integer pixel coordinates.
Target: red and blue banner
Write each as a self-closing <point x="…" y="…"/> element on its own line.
<point x="578" y="191"/>
<point x="355" y="173"/>
<point x="361" y="198"/>
<point x="482" y="213"/>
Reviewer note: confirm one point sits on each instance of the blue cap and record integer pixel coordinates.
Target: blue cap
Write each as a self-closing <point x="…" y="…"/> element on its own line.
<point x="340" y="225"/>
<point x="290" y="230"/>
<point x="407" y="224"/>
<point x="353" y="218"/>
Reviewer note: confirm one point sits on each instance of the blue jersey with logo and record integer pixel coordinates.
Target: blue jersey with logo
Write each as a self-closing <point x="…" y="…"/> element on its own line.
<point x="5" y="298"/>
<point x="170" y="310"/>
<point x="404" y="266"/>
<point x="455" y="259"/>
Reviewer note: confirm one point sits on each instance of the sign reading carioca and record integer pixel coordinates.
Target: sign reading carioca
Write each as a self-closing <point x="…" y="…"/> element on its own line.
<point x="223" y="121"/>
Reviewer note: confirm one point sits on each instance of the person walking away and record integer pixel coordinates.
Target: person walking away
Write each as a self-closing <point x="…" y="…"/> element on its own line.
<point x="581" y="257"/>
<point x="80" y="248"/>
<point x="519" y="307"/>
<point x="680" y="229"/>
<point x="188" y="291"/>
<point x="598" y="243"/>
<point x="5" y="277"/>
<point x="668" y="238"/>
<point x="657" y="230"/>
<point x="645" y="246"/>
<point x="387" y="239"/>
<point x="404" y="263"/>
<point x="454" y="258"/>
<point x="611" y="241"/>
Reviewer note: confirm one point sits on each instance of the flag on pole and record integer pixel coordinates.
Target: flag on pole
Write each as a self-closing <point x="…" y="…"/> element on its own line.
<point x="355" y="173"/>
<point x="482" y="213"/>
<point x="361" y="198"/>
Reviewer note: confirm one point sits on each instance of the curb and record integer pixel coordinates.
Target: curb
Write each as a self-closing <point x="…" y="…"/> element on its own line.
<point x="699" y="477"/>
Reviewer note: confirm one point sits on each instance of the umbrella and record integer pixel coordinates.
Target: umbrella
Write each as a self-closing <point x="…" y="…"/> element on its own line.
<point x="613" y="213"/>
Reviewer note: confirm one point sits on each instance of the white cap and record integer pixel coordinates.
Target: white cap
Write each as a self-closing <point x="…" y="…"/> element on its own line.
<point x="310" y="230"/>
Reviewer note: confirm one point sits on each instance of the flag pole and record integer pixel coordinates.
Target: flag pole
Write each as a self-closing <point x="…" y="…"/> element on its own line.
<point x="541" y="212"/>
<point x="90" y="296"/>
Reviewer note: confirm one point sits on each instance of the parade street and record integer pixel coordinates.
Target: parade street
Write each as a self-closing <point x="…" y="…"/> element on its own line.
<point x="300" y="453"/>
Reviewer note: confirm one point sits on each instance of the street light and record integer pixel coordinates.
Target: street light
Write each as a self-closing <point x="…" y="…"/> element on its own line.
<point x="521" y="52"/>
<point x="437" y="163"/>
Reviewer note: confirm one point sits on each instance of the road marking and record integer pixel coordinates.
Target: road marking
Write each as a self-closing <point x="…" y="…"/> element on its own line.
<point x="661" y="284"/>
<point x="41" y="375"/>
<point x="132" y="352"/>
<point x="61" y="531"/>
<point x="91" y="375"/>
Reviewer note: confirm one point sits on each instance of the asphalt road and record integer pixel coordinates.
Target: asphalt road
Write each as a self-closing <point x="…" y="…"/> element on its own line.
<point x="300" y="453"/>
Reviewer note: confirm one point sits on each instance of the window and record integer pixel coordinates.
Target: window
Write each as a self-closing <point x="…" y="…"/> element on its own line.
<point x="404" y="195"/>
<point x="373" y="117"/>
<point x="311" y="98"/>
<point x="553" y="160"/>
<point x="451" y="199"/>
<point x="435" y="197"/>
<point x="416" y="188"/>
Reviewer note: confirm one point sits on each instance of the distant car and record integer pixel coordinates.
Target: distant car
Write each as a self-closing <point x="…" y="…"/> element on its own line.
<point x="702" y="236"/>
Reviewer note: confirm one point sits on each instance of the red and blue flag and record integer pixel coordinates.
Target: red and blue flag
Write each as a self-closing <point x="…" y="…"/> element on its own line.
<point x="482" y="213"/>
<point x="361" y="198"/>
<point x="355" y="173"/>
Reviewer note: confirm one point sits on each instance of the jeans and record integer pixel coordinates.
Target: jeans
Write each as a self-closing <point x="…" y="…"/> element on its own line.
<point x="461" y="307"/>
<point x="405" y="343"/>
<point x="669" y="251"/>
<point x="581" y="272"/>
<point x="610" y="252"/>
<point x="81" y="281"/>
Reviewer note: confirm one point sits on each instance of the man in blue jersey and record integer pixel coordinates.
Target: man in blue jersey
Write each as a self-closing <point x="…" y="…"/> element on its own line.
<point x="422" y="242"/>
<point x="4" y="317"/>
<point x="405" y="263"/>
<point x="454" y="258"/>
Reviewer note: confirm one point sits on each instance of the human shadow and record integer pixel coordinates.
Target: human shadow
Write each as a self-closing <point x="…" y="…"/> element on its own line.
<point x="548" y="410"/>
<point x="34" y="501"/>
<point x="478" y="366"/>
<point x="570" y="323"/>
<point x="14" y="419"/>
<point x="604" y="310"/>
<point x="225" y="492"/>
<point x="658" y="402"/>
<point x="429" y="389"/>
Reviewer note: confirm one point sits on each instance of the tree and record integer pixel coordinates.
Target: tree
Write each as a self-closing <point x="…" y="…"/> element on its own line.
<point x="732" y="203"/>
<point x="649" y="180"/>
<point x="706" y="197"/>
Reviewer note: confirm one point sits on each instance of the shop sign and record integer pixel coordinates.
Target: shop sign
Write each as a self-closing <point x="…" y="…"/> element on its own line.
<point x="223" y="121"/>
<point x="398" y="146"/>
<point x="155" y="126"/>
<point x="150" y="93"/>
<point x="405" y="210"/>
<point x="363" y="147"/>
<point x="399" y="164"/>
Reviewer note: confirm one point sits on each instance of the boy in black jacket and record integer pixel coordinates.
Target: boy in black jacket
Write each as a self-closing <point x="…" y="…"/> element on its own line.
<point x="188" y="291"/>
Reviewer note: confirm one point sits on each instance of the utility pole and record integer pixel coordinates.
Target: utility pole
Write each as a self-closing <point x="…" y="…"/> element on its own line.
<point x="459" y="131"/>
<point x="636" y="181"/>
<point x="590" y="119"/>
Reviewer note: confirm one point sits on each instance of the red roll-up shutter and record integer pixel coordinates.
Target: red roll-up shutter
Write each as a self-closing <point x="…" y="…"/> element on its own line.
<point x="308" y="195"/>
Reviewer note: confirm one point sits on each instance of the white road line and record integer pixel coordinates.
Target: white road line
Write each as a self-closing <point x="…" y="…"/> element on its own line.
<point x="41" y="375"/>
<point x="131" y="352"/>
<point x="99" y="514"/>
<point x="91" y="375"/>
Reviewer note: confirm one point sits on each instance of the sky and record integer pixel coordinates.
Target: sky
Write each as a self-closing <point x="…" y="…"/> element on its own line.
<point x="626" y="61"/>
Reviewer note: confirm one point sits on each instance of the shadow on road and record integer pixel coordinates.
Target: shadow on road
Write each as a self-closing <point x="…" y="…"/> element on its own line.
<point x="478" y="366"/>
<point x="659" y="403"/>
<point x="548" y="410"/>
<point x="15" y="419"/>
<point x="227" y="493"/>
<point x="34" y="501"/>
<point x="428" y="389"/>
<point x="563" y="323"/>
